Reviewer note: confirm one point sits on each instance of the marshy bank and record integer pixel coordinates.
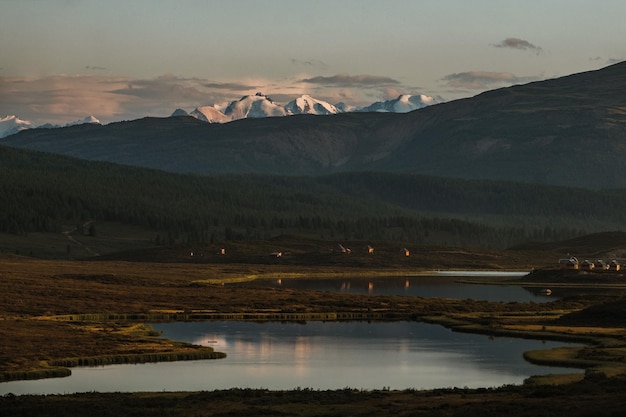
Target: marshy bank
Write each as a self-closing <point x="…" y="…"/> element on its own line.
<point x="74" y="311"/>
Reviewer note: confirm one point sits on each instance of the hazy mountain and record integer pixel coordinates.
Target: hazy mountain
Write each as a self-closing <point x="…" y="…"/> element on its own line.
<point x="403" y="104"/>
<point x="563" y="131"/>
<point x="10" y="125"/>
<point x="209" y="114"/>
<point x="179" y="112"/>
<point x="345" y="108"/>
<point x="86" y="120"/>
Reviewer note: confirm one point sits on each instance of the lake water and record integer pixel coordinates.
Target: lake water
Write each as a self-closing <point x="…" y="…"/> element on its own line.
<point x="445" y="284"/>
<point x="318" y="355"/>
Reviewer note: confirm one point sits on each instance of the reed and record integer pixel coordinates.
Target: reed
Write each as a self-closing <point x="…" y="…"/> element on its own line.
<point x="102" y="360"/>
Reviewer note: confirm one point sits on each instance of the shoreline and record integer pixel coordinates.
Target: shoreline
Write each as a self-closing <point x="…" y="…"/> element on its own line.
<point x="178" y="297"/>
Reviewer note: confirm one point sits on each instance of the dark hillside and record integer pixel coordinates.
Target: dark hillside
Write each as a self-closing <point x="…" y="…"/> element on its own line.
<point x="566" y="131"/>
<point x="596" y="245"/>
<point x="45" y="193"/>
<point x="293" y="145"/>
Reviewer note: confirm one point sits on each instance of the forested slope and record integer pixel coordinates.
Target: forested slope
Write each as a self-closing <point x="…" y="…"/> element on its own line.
<point x="44" y="193"/>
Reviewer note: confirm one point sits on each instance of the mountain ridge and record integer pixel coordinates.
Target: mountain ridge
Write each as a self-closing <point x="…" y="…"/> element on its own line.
<point x="260" y="105"/>
<point x="565" y="131"/>
<point x="254" y="106"/>
<point x="12" y="124"/>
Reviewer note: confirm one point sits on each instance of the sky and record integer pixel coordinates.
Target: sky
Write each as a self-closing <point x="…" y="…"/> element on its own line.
<point x="62" y="60"/>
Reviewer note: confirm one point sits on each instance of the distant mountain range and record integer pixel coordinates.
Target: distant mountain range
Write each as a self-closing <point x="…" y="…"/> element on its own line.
<point x="564" y="131"/>
<point x="260" y="105"/>
<point x="11" y="125"/>
<point x="252" y="106"/>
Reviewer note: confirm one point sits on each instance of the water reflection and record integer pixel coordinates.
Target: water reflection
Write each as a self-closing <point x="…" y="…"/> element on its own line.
<point x="446" y="286"/>
<point x="315" y="355"/>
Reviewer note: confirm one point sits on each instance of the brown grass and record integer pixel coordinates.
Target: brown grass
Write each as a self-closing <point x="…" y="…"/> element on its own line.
<point x="59" y="310"/>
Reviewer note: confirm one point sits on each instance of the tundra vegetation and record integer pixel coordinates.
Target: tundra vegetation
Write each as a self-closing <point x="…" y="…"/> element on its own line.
<point x="60" y="313"/>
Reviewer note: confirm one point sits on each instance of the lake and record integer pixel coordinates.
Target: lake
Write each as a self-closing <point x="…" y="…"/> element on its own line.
<point x="318" y="355"/>
<point x="447" y="284"/>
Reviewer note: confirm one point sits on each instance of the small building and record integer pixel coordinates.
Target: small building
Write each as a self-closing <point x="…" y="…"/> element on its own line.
<point x="406" y="252"/>
<point x="370" y="249"/>
<point x="614" y="266"/>
<point x="568" y="263"/>
<point x="587" y="265"/>
<point x="600" y="265"/>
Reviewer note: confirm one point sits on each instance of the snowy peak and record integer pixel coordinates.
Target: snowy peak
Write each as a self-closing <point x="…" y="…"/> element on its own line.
<point x="403" y="104"/>
<point x="258" y="105"/>
<point x="86" y="120"/>
<point x="308" y="105"/>
<point x="209" y="114"/>
<point x="10" y="125"/>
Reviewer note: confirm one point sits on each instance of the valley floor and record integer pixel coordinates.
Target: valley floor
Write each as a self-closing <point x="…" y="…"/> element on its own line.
<point x="58" y="313"/>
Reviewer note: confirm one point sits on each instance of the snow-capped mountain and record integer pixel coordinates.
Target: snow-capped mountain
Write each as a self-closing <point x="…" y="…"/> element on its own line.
<point x="86" y="120"/>
<point x="10" y="125"/>
<point x="209" y="114"/>
<point x="345" y="108"/>
<point x="403" y="104"/>
<point x="258" y="105"/>
<point x="254" y="106"/>
<point x="308" y="105"/>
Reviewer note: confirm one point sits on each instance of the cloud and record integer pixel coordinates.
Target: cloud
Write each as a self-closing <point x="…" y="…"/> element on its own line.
<point x="314" y="63"/>
<point x="94" y="68"/>
<point x="391" y="93"/>
<point x="58" y="99"/>
<point x="166" y="86"/>
<point x="606" y="61"/>
<point x="482" y="80"/>
<point x="61" y="99"/>
<point x="346" y="80"/>
<point x="516" y="43"/>
<point x="230" y="86"/>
